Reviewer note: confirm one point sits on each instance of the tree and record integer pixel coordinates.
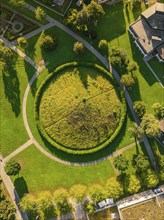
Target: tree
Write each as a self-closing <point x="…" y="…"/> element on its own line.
<point x="150" y="178"/>
<point x="127" y="80"/>
<point x="140" y="162"/>
<point x="161" y="161"/>
<point x="71" y="19"/>
<point x="161" y="175"/>
<point x="89" y="207"/>
<point x="39" y="13"/>
<point x="48" y="42"/>
<point x="132" y="184"/>
<point x="44" y="205"/>
<point x="12" y="168"/>
<point x="136" y="131"/>
<point x="95" y="11"/>
<point x="7" y="210"/>
<point x="103" y="46"/>
<point x="6" y="54"/>
<point x="78" y="192"/>
<point x="139" y="108"/>
<point x="82" y="19"/>
<point x="28" y="204"/>
<point x="121" y="163"/>
<point x="17" y="3"/>
<point x="61" y="200"/>
<point x="150" y="125"/>
<point x="118" y="56"/>
<point x="159" y="110"/>
<point x="132" y="66"/>
<point x="78" y="48"/>
<point x="113" y="189"/>
<point x="22" y="42"/>
<point x="96" y="193"/>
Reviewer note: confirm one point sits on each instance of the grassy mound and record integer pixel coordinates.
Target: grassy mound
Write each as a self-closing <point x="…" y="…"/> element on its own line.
<point x="78" y="109"/>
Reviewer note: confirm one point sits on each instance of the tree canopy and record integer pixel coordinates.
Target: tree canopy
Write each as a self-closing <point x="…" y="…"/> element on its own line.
<point x="78" y="192"/>
<point x="132" y="184"/>
<point x="150" y="125"/>
<point x="96" y="192"/>
<point x="140" y="162"/>
<point x="121" y="163"/>
<point x="12" y="168"/>
<point x="139" y="108"/>
<point x="39" y="13"/>
<point x="113" y="189"/>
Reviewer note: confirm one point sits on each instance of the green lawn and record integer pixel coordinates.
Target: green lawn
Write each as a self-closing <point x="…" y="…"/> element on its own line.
<point x="158" y="68"/>
<point x="40" y="173"/>
<point x="12" y="88"/>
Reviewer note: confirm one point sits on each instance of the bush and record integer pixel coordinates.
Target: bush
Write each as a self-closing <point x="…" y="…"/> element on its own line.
<point x="78" y="48"/>
<point x="22" y="42"/>
<point x="127" y="80"/>
<point x="48" y="42"/>
<point x="12" y="168"/>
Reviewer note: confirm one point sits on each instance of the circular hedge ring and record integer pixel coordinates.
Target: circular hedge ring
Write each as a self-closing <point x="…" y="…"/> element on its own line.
<point x="77" y="108"/>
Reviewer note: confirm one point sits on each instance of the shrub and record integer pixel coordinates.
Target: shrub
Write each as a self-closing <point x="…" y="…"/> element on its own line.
<point x="79" y="48"/>
<point x="48" y="42"/>
<point x="22" y="42"/>
<point x="127" y="80"/>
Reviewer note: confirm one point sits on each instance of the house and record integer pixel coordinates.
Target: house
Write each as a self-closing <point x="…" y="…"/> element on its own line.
<point x="148" y="31"/>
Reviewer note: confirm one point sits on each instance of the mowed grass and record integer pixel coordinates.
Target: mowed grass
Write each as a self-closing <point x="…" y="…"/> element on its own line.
<point x="80" y="108"/>
<point x="12" y="87"/>
<point x="61" y="54"/>
<point x="39" y="173"/>
<point x="148" y="210"/>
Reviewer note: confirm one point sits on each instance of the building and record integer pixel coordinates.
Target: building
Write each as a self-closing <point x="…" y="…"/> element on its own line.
<point x="148" y="31"/>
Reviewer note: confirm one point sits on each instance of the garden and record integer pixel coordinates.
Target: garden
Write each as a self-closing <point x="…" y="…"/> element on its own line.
<point x="148" y="210"/>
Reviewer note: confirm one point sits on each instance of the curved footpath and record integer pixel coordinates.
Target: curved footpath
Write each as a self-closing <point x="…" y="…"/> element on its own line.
<point x="10" y="187"/>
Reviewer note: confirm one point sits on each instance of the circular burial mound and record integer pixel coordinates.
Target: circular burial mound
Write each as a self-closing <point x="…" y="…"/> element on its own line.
<point x="78" y="109"/>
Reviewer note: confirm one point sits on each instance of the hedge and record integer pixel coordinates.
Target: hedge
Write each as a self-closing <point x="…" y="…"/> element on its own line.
<point x="65" y="148"/>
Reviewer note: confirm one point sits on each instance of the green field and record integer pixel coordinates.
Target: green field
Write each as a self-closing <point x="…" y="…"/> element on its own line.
<point x="12" y="87"/>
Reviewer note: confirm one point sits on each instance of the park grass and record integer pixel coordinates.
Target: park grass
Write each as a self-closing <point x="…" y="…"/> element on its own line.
<point x="39" y="173"/>
<point x="147" y="210"/>
<point x="61" y="54"/>
<point x="79" y="108"/>
<point x="12" y="87"/>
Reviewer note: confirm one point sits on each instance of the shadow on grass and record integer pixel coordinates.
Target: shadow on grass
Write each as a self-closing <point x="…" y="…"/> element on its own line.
<point x="11" y="87"/>
<point x="21" y="186"/>
<point x="136" y="9"/>
<point x="143" y="69"/>
<point x="30" y="71"/>
<point x="30" y="50"/>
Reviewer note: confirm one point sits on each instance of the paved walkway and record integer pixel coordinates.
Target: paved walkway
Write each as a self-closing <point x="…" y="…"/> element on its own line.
<point x="12" y="192"/>
<point x="17" y="151"/>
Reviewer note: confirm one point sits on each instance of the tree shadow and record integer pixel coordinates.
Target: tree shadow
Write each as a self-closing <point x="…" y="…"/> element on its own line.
<point x="11" y="87"/>
<point x="136" y="9"/>
<point x="21" y="186"/>
<point x="138" y="58"/>
<point x="127" y="12"/>
<point x="30" y="71"/>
